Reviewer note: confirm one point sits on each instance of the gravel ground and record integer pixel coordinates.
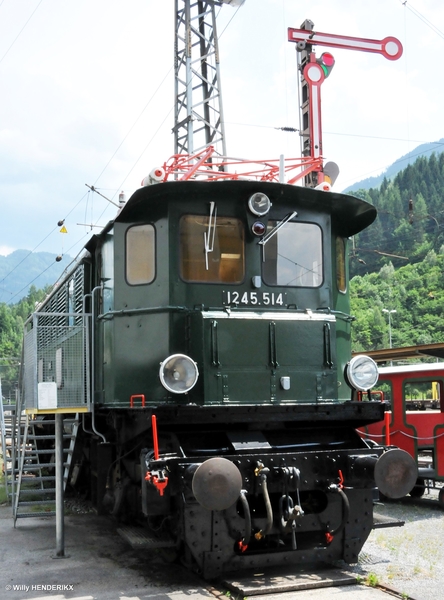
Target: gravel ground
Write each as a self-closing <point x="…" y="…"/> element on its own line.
<point x="409" y="558"/>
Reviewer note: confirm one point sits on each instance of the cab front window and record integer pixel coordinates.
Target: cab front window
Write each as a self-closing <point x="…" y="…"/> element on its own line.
<point x="212" y="249"/>
<point x="293" y="256"/>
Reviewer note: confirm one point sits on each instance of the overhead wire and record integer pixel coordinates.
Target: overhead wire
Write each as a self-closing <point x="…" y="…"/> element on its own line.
<point x="420" y="16"/>
<point x="21" y="30"/>
<point x="31" y="282"/>
<point x="358" y="135"/>
<point x="136" y="162"/>
<point x="24" y="258"/>
<point x="133" y="125"/>
<point x="377" y="170"/>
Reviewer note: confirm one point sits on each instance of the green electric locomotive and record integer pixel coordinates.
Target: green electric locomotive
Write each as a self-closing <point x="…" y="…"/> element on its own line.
<point x="205" y="337"/>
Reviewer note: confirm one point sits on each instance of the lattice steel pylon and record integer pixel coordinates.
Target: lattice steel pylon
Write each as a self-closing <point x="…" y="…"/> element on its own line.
<point x="199" y="118"/>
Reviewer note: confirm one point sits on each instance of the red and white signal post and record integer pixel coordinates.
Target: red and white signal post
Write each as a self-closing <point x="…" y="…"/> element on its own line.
<point x="314" y="72"/>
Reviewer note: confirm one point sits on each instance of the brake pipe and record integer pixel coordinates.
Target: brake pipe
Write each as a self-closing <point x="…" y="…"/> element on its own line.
<point x="243" y="543"/>
<point x="263" y="482"/>
<point x="329" y="536"/>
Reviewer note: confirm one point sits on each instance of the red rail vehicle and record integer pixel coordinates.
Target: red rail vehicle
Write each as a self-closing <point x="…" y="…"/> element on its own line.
<point x="414" y="420"/>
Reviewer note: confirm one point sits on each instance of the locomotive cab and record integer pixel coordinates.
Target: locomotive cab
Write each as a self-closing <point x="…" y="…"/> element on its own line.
<point x="257" y="299"/>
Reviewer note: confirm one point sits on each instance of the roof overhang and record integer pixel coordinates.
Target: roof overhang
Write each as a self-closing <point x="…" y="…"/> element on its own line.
<point x="349" y="214"/>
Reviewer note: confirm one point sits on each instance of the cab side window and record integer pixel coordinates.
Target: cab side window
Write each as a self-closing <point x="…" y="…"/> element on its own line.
<point x="341" y="280"/>
<point x="140" y="254"/>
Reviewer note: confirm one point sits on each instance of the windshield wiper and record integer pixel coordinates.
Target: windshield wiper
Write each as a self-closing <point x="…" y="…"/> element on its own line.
<point x="209" y="235"/>
<point x="276" y="228"/>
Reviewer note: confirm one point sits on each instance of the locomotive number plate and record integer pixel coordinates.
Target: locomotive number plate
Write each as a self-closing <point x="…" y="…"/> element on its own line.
<point x="254" y="298"/>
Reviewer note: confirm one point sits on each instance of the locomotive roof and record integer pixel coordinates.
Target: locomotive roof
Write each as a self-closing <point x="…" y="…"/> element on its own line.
<point x="349" y="214"/>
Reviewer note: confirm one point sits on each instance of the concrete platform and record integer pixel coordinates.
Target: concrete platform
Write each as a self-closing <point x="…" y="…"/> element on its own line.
<point x="99" y="565"/>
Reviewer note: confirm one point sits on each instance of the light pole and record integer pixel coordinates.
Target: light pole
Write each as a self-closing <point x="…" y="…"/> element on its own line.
<point x="389" y="312"/>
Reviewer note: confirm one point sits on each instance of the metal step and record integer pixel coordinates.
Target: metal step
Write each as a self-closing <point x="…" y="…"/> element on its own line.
<point x="37" y="479"/>
<point x="38" y="491"/>
<point x="36" y="502"/>
<point x="50" y="513"/>
<point x="34" y="467"/>
<point x="140" y="538"/>
<point x="66" y="436"/>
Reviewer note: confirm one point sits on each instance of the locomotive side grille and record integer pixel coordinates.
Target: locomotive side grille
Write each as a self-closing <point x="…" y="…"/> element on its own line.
<point x="67" y="298"/>
<point x="78" y="294"/>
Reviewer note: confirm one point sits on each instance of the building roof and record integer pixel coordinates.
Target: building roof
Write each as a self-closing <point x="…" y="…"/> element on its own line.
<point x="407" y="352"/>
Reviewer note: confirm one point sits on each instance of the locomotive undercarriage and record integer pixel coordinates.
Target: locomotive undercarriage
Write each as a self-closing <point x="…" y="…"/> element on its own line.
<point x="292" y="510"/>
<point x="244" y="494"/>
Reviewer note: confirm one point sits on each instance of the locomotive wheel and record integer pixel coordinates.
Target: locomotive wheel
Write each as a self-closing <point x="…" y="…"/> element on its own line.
<point x="419" y="489"/>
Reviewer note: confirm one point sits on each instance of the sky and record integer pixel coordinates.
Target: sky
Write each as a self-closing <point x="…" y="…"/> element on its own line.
<point x="87" y="97"/>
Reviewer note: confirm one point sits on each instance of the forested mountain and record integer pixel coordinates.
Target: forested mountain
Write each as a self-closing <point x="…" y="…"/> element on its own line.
<point x="424" y="150"/>
<point x="410" y="220"/>
<point x="398" y="262"/>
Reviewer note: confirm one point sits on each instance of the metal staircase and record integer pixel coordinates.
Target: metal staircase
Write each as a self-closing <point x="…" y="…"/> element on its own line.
<point x="28" y="448"/>
<point x="33" y="480"/>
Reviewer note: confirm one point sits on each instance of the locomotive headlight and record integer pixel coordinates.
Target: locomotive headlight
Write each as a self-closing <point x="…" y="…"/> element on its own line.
<point x="178" y="373"/>
<point x="362" y="373"/>
<point x="259" y="204"/>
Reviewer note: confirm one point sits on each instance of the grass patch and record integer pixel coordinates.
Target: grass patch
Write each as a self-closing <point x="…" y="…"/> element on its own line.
<point x="372" y="580"/>
<point x="3" y="495"/>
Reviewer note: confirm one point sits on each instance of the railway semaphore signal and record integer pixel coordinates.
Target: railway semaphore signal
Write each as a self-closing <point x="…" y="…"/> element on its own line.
<point x="313" y="73"/>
